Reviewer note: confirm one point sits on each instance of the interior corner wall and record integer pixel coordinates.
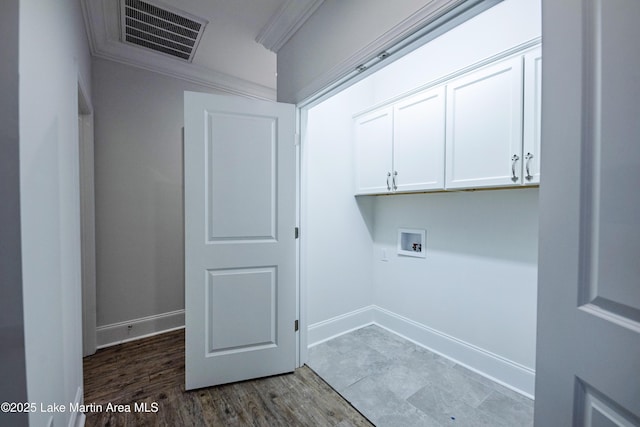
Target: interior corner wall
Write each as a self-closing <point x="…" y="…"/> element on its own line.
<point x="139" y="200"/>
<point x="333" y="33"/>
<point x="474" y="297"/>
<point x="13" y="387"/>
<point x="53" y="57"/>
<point x="337" y="227"/>
<point x="478" y="282"/>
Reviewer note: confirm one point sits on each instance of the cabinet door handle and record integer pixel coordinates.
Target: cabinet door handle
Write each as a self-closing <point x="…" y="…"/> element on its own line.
<point x="395" y="174"/>
<point x="528" y="158"/>
<point x="514" y="160"/>
<point x="388" y="186"/>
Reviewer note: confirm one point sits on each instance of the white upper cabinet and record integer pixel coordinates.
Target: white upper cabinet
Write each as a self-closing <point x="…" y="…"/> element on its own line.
<point x="484" y="127"/>
<point x="486" y="134"/>
<point x="374" y="147"/>
<point x="532" y="113"/>
<point x="418" y="142"/>
<point x="400" y="148"/>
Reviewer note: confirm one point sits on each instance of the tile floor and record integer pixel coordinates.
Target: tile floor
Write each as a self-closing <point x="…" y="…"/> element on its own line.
<point x="395" y="383"/>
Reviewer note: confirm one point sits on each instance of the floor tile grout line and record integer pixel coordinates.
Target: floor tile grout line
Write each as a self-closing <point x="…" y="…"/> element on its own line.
<point x="482" y="389"/>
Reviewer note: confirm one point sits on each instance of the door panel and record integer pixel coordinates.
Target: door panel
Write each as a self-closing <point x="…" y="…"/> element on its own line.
<point x="614" y="157"/>
<point x="374" y="145"/>
<point x="253" y="289"/>
<point x="598" y="410"/>
<point x="484" y="127"/>
<point x="240" y="287"/>
<point x="418" y="141"/>
<point x="241" y="176"/>
<point x="588" y="351"/>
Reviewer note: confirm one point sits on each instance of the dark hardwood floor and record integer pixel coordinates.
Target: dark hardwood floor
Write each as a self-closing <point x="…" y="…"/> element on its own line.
<point x="149" y="374"/>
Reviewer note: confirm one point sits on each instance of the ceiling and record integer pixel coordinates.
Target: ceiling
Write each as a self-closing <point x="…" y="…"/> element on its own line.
<point x="236" y="53"/>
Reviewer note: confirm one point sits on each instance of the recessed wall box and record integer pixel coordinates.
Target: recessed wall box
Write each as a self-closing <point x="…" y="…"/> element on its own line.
<point x="412" y="242"/>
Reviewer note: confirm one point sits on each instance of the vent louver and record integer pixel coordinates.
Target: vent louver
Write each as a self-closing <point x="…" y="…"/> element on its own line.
<point x="171" y="32"/>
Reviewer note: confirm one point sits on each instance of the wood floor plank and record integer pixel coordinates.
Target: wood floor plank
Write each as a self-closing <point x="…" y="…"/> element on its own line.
<point x="150" y="372"/>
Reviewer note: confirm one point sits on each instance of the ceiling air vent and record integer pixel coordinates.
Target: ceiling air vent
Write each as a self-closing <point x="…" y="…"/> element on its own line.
<point x="171" y="32"/>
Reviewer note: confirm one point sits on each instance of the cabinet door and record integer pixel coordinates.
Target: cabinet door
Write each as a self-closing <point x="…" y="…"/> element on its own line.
<point x="532" y="113"/>
<point x="418" y="142"/>
<point x="374" y="139"/>
<point x="484" y="127"/>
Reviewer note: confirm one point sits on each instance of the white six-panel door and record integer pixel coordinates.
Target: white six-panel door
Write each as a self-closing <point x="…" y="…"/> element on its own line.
<point x="240" y="290"/>
<point x="588" y="348"/>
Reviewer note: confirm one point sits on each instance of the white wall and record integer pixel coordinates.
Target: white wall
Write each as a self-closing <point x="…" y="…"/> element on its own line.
<point x="54" y="56"/>
<point x="13" y="387"/>
<point x="139" y="213"/>
<point x="505" y="25"/>
<point x="482" y="232"/>
<point x="474" y="297"/>
<point x="478" y="282"/>
<point x="335" y="31"/>
<point x="336" y="253"/>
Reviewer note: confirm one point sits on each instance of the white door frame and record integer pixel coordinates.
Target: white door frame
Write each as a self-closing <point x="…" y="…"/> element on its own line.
<point x="87" y="219"/>
<point x="301" y="294"/>
<point x="301" y="284"/>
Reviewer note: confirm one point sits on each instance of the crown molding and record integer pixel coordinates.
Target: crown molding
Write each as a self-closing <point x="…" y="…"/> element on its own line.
<point x="102" y="24"/>
<point x="285" y="22"/>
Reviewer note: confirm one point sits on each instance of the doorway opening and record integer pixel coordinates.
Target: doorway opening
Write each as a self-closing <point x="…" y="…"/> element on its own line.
<point x="472" y="298"/>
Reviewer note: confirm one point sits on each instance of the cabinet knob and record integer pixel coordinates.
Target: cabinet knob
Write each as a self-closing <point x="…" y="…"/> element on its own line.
<point x="395" y="186"/>
<point x="514" y="161"/>
<point x="388" y="186"/>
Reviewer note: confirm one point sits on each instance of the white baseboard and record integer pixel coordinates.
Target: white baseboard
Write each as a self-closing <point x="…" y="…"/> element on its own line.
<point x="117" y="333"/>
<point x="495" y="367"/>
<point x="77" y="419"/>
<point x="323" y="331"/>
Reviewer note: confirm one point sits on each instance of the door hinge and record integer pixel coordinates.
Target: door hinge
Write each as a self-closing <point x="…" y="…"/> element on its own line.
<point x="297" y="232"/>
<point x="295" y="326"/>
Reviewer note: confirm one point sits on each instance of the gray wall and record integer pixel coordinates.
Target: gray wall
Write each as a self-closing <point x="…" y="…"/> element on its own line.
<point x="13" y="387"/>
<point x="139" y="212"/>
<point x="54" y="57"/>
